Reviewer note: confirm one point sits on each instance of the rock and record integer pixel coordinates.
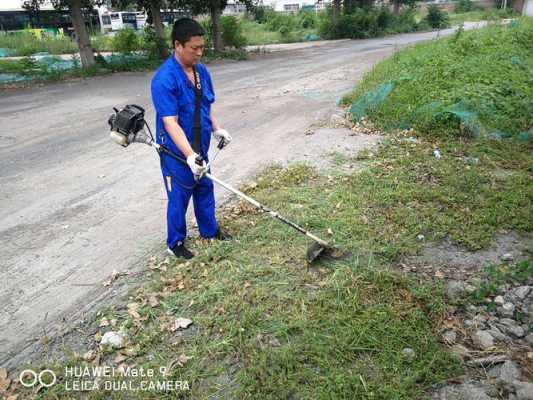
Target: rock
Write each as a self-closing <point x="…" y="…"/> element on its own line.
<point x="507" y="325"/>
<point x="465" y="391"/>
<point x="499" y="300"/>
<point x="521" y="292"/>
<point x="449" y="336"/>
<point x="507" y="257"/>
<point x="457" y="289"/>
<point x="420" y="237"/>
<point x="486" y="361"/>
<point x="529" y="339"/>
<point x="114" y="339"/>
<point x="460" y="351"/>
<point x="483" y="339"/>
<point x="496" y="334"/>
<point x="468" y="323"/>
<point x="409" y="354"/>
<point x="507" y="310"/>
<point x="472" y="309"/>
<point x="507" y="372"/>
<point x="524" y="390"/>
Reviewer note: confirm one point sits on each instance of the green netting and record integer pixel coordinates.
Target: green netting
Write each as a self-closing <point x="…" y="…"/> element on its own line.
<point x="371" y="99"/>
<point x="55" y="63"/>
<point x="8" y="78"/>
<point x="464" y="112"/>
<point x="311" y="37"/>
<point x="4" y="52"/>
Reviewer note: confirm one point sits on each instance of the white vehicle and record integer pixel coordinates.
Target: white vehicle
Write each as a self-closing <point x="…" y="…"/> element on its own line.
<point x="117" y="20"/>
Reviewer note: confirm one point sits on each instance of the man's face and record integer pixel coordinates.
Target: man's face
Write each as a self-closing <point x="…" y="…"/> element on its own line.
<point x="190" y="53"/>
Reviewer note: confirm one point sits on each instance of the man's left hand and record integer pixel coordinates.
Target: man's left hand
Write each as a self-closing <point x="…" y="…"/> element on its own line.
<point x="223" y="134"/>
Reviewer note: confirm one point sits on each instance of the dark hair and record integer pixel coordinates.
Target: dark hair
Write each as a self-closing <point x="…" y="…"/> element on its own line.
<point x="184" y="29"/>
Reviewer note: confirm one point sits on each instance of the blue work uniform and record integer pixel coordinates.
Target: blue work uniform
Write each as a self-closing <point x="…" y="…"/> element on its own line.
<point x="173" y="94"/>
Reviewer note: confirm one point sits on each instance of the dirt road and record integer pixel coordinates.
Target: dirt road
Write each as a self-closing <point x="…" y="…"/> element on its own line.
<point x="74" y="207"/>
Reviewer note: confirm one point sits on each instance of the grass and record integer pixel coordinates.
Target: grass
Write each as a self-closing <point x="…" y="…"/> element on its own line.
<point x="260" y="34"/>
<point x="26" y="44"/>
<point x="498" y="275"/>
<point x="33" y="71"/>
<point x="432" y="78"/>
<point x="265" y="326"/>
<point x="482" y="15"/>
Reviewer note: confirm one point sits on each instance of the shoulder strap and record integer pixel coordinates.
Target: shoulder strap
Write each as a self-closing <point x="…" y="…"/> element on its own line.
<point x="196" y="143"/>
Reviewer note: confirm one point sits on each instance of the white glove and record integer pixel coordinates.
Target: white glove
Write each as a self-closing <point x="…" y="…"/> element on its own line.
<point x="197" y="170"/>
<point x="222" y="134"/>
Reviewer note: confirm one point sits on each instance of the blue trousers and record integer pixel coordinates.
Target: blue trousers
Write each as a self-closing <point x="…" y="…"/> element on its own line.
<point x="179" y="192"/>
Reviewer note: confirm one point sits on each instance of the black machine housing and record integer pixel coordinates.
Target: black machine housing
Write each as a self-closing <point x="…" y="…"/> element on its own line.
<point x="128" y="120"/>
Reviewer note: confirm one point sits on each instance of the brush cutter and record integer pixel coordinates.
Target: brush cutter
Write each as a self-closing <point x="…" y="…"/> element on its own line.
<point x="127" y="126"/>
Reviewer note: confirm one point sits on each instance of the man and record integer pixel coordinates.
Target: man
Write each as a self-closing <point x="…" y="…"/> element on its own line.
<point x="182" y="93"/>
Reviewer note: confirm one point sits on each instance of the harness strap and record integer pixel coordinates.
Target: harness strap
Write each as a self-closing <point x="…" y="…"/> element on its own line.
<point x="196" y="142"/>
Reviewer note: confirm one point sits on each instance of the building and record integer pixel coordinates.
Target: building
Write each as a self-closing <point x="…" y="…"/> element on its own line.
<point x="234" y="7"/>
<point x="294" y="6"/>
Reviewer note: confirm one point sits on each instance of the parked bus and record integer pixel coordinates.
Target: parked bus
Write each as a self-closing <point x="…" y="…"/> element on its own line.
<point x="17" y="20"/>
<point x="117" y="20"/>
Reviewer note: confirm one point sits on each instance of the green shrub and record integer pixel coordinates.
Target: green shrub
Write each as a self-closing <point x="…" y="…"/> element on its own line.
<point x="307" y="19"/>
<point x="260" y="14"/>
<point x="208" y="37"/>
<point x="151" y="43"/>
<point x="463" y="6"/>
<point x="437" y="18"/>
<point x="232" y="32"/>
<point x="125" y="41"/>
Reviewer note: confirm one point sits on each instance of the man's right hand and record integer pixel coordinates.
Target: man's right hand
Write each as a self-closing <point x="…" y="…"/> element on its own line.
<point x="198" y="170"/>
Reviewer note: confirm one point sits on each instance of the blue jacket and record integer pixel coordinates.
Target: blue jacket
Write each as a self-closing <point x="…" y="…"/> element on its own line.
<point x="173" y="95"/>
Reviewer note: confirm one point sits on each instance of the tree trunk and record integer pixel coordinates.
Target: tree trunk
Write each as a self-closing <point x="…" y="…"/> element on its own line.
<point x="216" y="12"/>
<point x="159" y="27"/>
<point x="336" y="11"/>
<point x="396" y="4"/>
<point x="82" y="37"/>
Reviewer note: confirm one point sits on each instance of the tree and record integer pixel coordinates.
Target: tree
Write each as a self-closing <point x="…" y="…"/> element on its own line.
<point x="335" y="12"/>
<point x="75" y="8"/>
<point x="153" y="9"/>
<point x="214" y="8"/>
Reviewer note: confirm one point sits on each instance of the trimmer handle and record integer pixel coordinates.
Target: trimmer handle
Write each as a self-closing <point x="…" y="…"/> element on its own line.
<point x="199" y="160"/>
<point x="221" y="143"/>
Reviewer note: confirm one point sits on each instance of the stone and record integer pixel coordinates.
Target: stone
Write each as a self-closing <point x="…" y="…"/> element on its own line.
<point x="457" y="289"/>
<point x="460" y="351"/>
<point x="522" y="291"/>
<point x="113" y="339"/>
<point x="409" y="354"/>
<point x="507" y="310"/>
<point x="524" y="390"/>
<point x="498" y="335"/>
<point x="486" y="361"/>
<point x="465" y="391"/>
<point x="449" y="336"/>
<point x="499" y="300"/>
<point x="507" y="257"/>
<point x="529" y="339"/>
<point x="507" y="372"/>
<point x="507" y="325"/>
<point x="483" y="339"/>
<point x="420" y="237"/>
